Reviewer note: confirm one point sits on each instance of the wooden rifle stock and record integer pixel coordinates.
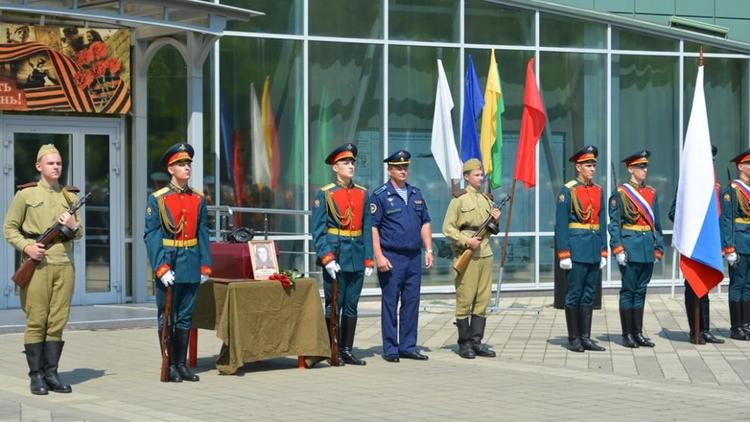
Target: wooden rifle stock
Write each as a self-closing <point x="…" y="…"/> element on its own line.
<point x="165" y="316"/>
<point x="463" y="260"/>
<point x="333" y="324"/>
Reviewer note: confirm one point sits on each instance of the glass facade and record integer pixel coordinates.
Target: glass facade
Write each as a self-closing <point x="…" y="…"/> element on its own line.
<point x="365" y="71"/>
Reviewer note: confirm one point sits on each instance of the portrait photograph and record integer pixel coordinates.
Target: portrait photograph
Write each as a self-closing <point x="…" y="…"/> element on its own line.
<point x="263" y="257"/>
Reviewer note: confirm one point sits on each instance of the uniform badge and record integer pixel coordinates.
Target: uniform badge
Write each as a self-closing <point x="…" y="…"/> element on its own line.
<point x="148" y="211"/>
<point x="727" y="197"/>
<point x="373" y="208"/>
<point x="613" y="203"/>
<point x="418" y="202"/>
<point x="562" y="198"/>
<point x="316" y="203"/>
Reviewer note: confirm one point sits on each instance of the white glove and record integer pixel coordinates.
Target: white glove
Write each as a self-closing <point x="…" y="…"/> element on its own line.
<point x="204" y="278"/>
<point x="368" y="271"/>
<point x="168" y="278"/>
<point x="566" y="264"/>
<point x="332" y="268"/>
<point x="622" y="259"/>
<point x="602" y="263"/>
<point x="732" y="258"/>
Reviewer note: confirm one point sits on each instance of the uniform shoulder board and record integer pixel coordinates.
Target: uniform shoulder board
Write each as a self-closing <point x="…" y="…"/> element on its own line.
<point x="328" y="186"/>
<point x="71" y="188"/>
<point x="197" y="192"/>
<point x="571" y="184"/>
<point x="26" y="185"/>
<point x="488" y="196"/>
<point x="458" y="192"/>
<point x="360" y="187"/>
<point x="161" y="191"/>
<point x="380" y="190"/>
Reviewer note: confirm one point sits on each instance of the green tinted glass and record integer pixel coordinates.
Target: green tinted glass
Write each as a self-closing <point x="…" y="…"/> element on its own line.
<point x="424" y="20"/>
<point x="281" y="16"/>
<point x="562" y="31"/>
<point x="489" y="23"/>
<point x="630" y="40"/>
<point x="346" y="18"/>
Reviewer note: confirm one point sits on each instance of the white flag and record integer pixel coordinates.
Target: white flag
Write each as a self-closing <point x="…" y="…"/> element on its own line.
<point x="261" y="170"/>
<point x="443" y="145"/>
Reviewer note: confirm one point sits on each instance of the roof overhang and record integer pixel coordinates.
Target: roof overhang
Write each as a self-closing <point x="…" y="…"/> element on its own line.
<point x="175" y="15"/>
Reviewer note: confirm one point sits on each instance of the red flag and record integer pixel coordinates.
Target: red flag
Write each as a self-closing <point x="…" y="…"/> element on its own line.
<point x="238" y="172"/>
<point x="532" y="124"/>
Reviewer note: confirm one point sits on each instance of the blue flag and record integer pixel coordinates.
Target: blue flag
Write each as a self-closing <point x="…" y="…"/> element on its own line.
<point x="473" y="104"/>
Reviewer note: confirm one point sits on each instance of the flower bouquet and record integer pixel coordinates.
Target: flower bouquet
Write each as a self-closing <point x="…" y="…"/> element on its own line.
<point x="287" y="278"/>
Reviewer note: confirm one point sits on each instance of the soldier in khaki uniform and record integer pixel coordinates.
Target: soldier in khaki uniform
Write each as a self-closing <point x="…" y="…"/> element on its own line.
<point x="465" y="214"/>
<point x="46" y="299"/>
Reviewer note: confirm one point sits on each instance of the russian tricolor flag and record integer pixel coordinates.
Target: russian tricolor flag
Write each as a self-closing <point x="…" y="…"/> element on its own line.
<point x="696" y="223"/>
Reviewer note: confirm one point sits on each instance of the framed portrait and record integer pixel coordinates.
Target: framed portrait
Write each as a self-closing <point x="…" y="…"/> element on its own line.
<point x="263" y="258"/>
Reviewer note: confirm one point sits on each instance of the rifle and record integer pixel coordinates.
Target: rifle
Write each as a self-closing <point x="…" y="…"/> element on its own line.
<point x="23" y="274"/>
<point x="614" y="191"/>
<point x="731" y="201"/>
<point x="333" y="324"/>
<point x="489" y="225"/>
<point x="165" y="316"/>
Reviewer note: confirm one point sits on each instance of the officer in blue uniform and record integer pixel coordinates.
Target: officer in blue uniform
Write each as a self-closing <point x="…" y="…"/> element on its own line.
<point x="636" y="240"/>
<point x="735" y="239"/>
<point x="342" y="234"/>
<point x="580" y="236"/>
<point x="400" y="227"/>
<point x="176" y="237"/>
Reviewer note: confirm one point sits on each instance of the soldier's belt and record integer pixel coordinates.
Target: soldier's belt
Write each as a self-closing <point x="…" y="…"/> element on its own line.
<point x="468" y="227"/>
<point x="636" y="227"/>
<point x="583" y="226"/>
<point x="179" y="243"/>
<point x="347" y="233"/>
<point x="741" y="220"/>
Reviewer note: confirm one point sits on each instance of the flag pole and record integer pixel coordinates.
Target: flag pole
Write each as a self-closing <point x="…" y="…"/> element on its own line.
<point x="697" y="311"/>
<point x="504" y="250"/>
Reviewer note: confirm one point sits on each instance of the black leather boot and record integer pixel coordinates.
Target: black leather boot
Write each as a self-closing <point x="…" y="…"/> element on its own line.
<point x="35" y="359"/>
<point x="52" y="353"/>
<point x="638" y="329"/>
<point x="586" y="313"/>
<point x="173" y="375"/>
<point x="571" y="320"/>
<point x="735" y="313"/>
<point x="182" y="338"/>
<point x="348" y="328"/>
<point x="464" y="339"/>
<point x="476" y="326"/>
<point x="626" y="320"/>
<point x="745" y="316"/>
<point x="690" y="313"/>
<point x="706" y="322"/>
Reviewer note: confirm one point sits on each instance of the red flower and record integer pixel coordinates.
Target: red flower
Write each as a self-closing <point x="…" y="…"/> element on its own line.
<point x="84" y="78"/>
<point x="98" y="49"/>
<point x="84" y="57"/>
<point x="283" y="279"/>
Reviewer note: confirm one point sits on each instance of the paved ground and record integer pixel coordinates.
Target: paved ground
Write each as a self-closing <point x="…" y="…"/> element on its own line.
<point x="114" y="373"/>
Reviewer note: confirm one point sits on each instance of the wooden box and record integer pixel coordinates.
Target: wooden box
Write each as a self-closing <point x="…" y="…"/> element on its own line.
<point x="231" y="260"/>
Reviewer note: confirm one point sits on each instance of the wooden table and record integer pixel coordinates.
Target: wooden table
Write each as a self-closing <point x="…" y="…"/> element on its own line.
<point x="259" y="320"/>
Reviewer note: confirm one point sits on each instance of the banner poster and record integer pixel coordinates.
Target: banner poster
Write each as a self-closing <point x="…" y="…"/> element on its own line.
<point x="72" y="69"/>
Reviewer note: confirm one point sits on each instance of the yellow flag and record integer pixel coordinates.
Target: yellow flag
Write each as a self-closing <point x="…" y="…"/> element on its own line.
<point x="492" y="96"/>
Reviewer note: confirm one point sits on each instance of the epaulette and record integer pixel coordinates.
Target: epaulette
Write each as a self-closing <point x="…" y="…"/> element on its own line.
<point x="161" y="191"/>
<point x="197" y="192"/>
<point x="488" y="196"/>
<point x="328" y="186"/>
<point x="360" y="187"/>
<point x="71" y="188"/>
<point x="458" y="192"/>
<point x="26" y="185"/>
<point x="380" y="190"/>
<point x="650" y="187"/>
<point x="571" y="184"/>
<point x="595" y="184"/>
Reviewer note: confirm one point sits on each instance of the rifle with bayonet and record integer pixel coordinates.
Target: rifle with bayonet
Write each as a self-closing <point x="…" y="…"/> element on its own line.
<point x="23" y="274"/>
<point x="488" y="226"/>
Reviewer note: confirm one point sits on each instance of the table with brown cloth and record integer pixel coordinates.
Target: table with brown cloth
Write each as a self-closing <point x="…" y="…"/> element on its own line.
<point x="258" y="320"/>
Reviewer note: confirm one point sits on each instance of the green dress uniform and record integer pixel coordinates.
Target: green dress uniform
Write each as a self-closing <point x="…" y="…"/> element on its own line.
<point x="580" y="235"/>
<point x="464" y="216"/>
<point x="46" y="299"/>
<point x="635" y="229"/>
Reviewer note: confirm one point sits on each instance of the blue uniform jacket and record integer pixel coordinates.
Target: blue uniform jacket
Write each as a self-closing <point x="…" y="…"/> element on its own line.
<point x="399" y="223"/>
<point x="735" y="220"/>
<point x="184" y="251"/>
<point x="643" y="246"/>
<point x="576" y="237"/>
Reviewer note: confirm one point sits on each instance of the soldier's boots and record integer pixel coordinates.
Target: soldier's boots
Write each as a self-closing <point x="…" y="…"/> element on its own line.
<point x="348" y="328"/>
<point x="572" y="314"/>
<point x="476" y="328"/>
<point x="52" y="353"/>
<point x="338" y="338"/>
<point x="172" y="374"/>
<point x="638" y="329"/>
<point x="735" y="315"/>
<point x="182" y="338"/>
<point x="626" y="320"/>
<point x="710" y="338"/>
<point x="745" y="316"/>
<point x="701" y="338"/>
<point x="586" y="314"/>
<point x="35" y="359"/>
<point x="465" y="349"/>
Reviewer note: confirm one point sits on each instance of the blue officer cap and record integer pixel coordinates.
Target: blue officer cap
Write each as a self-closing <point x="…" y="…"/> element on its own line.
<point x="348" y="150"/>
<point x="178" y="152"/>
<point x="585" y="154"/>
<point x="640" y="157"/>
<point x="398" y="158"/>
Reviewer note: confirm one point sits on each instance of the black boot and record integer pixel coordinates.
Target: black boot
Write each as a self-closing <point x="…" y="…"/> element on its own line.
<point x="690" y="312"/>
<point x="476" y="328"/>
<point x="338" y="339"/>
<point x="182" y="338"/>
<point x="35" y="359"/>
<point x="706" y="322"/>
<point x="626" y="320"/>
<point x="745" y="316"/>
<point x="52" y="352"/>
<point x="586" y="314"/>
<point x="464" y="339"/>
<point x="638" y="329"/>
<point x="735" y="315"/>
<point x="173" y="375"/>
<point x="348" y="328"/>
<point x="571" y="320"/>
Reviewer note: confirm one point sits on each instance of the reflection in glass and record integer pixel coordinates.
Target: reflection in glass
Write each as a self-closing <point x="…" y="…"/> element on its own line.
<point x="490" y="23"/>
<point x="629" y="40"/>
<point x="562" y="31"/>
<point x="281" y="16"/>
<point x="424" y="20"/>
<point x="346" y="18"/>
<point x="98" y="235"/>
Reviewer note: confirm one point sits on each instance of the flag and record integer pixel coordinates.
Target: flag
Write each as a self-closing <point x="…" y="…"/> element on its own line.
<point x="261" y="170"/>
<point x="491" y="139"/>
<point x="696" y="223"/>
<point x="320" y="173"/>
<point x="270" y="135"/>
<point x="532" y="125"/>
<point x="473" y="103"/>
<point x="443" y="145"/>
<point x="226" y="130"/>
<point x="238" y="171"/>
<point x="294" y="173"/>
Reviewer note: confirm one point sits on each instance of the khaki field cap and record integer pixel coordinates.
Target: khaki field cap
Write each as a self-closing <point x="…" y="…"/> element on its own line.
<point x="472" y="164"/>
<point x="46" y="149"/>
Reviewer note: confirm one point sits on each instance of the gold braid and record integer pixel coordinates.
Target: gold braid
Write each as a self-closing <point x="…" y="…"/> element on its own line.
<point x="629" y="210"/>
<point x="742" y="203"/>
<point x="583" y="216"/>
<point x="342" y="220"/>
<point x="166" y="223"/>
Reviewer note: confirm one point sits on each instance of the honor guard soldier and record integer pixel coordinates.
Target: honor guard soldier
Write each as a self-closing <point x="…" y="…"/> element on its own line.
<point x="464" y="216"/>
<point x="705" y="321"/>
<point x="342" y="234"/>
<point x="735" y="230"/>
<point x="580" y="236"/>
<point x="177" y="238"/>
<point x="637" y="242"/>
<point x="45" y="300"/>
<point x="400" y="227"/>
